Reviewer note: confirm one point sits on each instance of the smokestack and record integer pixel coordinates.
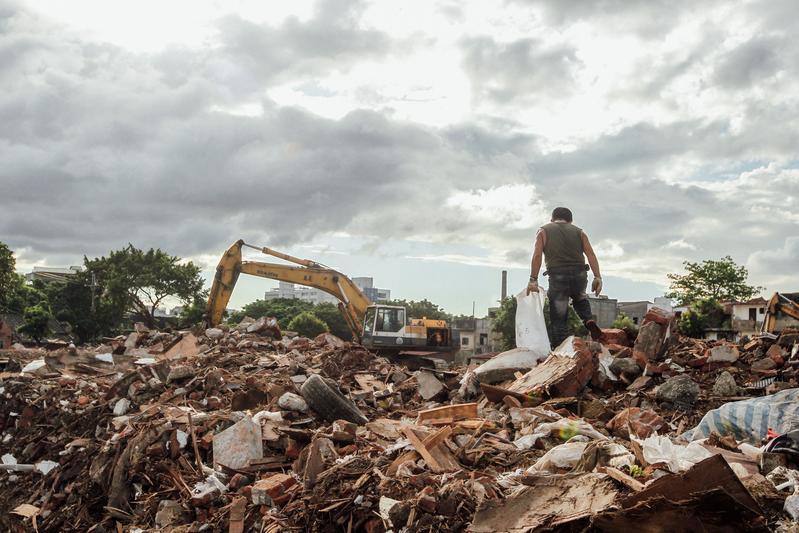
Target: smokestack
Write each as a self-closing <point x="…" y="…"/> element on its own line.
<point x="504" y="284"/>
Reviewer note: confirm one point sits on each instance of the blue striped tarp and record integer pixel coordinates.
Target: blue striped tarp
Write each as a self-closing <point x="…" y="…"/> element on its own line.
<point x="749" y="420"/>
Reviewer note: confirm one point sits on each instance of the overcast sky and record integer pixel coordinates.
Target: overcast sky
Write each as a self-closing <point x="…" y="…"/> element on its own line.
<point x="419" y="142"/>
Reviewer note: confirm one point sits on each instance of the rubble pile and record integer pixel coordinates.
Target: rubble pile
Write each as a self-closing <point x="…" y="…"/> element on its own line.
<point x="250" y="429"/>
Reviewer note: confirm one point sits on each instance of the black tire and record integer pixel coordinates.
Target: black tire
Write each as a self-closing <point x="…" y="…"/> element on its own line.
<point x="329" y="403"/>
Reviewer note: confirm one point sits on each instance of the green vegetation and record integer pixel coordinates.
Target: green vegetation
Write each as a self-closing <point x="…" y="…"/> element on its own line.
<point x="141" y="280"/>
<point x="703" y="286"/>
<point x="422" y="309"/>
<point x="307" y="325"/>
<point x="624" y="322"/>
<point x="36" y="322"/>
<point x="95" y="301"/>
<point x="719" y="281"/>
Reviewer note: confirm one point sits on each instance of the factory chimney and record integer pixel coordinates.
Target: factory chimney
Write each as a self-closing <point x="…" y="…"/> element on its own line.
<point x="504" y="284"/>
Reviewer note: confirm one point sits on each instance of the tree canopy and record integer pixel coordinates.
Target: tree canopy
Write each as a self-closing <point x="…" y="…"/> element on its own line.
<point x="8" y="275"/>
<point x="422" y="309"/>
<point x="721" y="280"/>
<point x="143" y="280"/>
<point x="307" y="325"/>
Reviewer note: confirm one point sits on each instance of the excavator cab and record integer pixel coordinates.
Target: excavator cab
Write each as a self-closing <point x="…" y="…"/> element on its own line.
<point x="383" y="326"/>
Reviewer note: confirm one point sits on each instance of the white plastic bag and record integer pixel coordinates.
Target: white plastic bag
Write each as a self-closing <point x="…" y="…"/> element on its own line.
<point x="565" y="455"/>
<point x="531" y="331"/>
<point x="660" y="449"/>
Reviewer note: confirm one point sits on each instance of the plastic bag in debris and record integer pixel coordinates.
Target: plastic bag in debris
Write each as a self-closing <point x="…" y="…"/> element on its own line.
<point x="531" y="331"/>
<point x="562" y="456"/>
<point x="566" y="428"/>
<point x="749" y="420"/>
<point x="531" y="340"/>
<point x="660" y="449"/>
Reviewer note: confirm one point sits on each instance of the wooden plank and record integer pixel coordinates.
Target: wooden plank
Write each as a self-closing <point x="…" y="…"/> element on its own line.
<point x="624" y="479"/>
<point x="423" y="451"/>
<point x="453" y="412"/>
<point x="237" y="510"/>
<point x="430" y="441"/>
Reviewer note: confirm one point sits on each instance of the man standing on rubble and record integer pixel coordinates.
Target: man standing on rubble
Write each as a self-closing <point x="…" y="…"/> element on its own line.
<point x="565" y="247"/>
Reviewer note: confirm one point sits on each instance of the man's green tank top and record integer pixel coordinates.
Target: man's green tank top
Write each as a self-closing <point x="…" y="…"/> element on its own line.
<point x="564" y="247"/>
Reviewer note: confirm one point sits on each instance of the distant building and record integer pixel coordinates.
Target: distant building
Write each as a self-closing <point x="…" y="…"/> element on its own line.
<point x="474" y="336"/>
<point x="604" y="310"/>
<point x="315" y="296"/>
<point x="373" y="293"/>
<point x="52" y="273"/>
<point x="635" y="310"/>
<point x="746" y="318"/>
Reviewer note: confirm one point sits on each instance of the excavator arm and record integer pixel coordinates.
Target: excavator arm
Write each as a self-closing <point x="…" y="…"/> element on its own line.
<point x="352" y="302"/>
<point x="779" y="303"/>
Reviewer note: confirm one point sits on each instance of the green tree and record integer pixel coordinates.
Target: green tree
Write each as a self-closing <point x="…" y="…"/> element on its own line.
<point x="692" y="324"/>
<point x="624" y="322"/>
<point x="422" y="309"/>
<point x="84" y="303"/>
<point x="307" y="325"/>
<point x="141" y="280"/>
<point x="192" y="313"/>
<point x="332" y="317"/>
<point x="283" y="309"/>
<point x="504" y="323"/>
<point x="8" y="276"/>
<point x="35" y="321"/>
<point x="721" y="280"/>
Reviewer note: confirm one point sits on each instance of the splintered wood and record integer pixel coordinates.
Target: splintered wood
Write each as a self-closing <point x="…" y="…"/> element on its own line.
<point x="448" y="414"/>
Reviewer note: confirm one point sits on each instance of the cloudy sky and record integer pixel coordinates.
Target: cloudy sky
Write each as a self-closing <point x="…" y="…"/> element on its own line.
<point x="419" y="142"/>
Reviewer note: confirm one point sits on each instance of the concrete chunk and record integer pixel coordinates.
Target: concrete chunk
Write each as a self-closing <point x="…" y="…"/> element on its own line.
<point x="429" y="385"/>
<point x="239" y="444"/>
<point x="723" y="353"/>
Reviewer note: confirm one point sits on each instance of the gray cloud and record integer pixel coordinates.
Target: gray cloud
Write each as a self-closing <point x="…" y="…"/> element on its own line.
<point x="521" y="70"/>
<point x="649" y="19"/>
<point x="750" y="63"/>
<point x="252" y="55"/>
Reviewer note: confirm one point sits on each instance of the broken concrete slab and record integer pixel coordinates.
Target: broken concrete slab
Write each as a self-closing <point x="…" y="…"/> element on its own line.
<point x="626" y="367"/>
<point x="186" y="347"/>
<point x="725" y="385"/>
<point x="504" y="366"/>
<point x="723" y="353"/>
<point x="239" y="444"/>
<point x="214" y="333"/>
<point x="548" y="501"/>
<point x="267" y="326"/>
<point x="289" y="401"/>
<point x="680" y="391"/>
<point x="429" y="385"/>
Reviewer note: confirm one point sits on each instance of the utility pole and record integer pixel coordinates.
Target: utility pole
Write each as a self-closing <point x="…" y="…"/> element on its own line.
<point x="94" y="284"/>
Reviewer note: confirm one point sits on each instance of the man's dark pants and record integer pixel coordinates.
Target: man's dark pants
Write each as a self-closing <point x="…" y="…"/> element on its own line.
<point x="566" y="284"/>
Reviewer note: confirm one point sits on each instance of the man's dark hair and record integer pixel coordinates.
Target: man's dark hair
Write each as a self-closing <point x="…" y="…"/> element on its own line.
<point x="562" y="213"/>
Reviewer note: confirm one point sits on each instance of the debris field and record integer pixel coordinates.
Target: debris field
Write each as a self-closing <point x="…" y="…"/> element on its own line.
<point x="249" y="429"/>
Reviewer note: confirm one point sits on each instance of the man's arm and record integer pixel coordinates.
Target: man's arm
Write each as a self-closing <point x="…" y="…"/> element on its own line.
<point x="588" y="250"/>
<point x="538" y="254"/>
<point x="535" y="263"/>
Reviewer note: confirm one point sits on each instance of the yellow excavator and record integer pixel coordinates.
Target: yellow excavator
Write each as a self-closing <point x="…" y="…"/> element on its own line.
<point x="780" y="305"/>
<point x="382" y="328"/>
